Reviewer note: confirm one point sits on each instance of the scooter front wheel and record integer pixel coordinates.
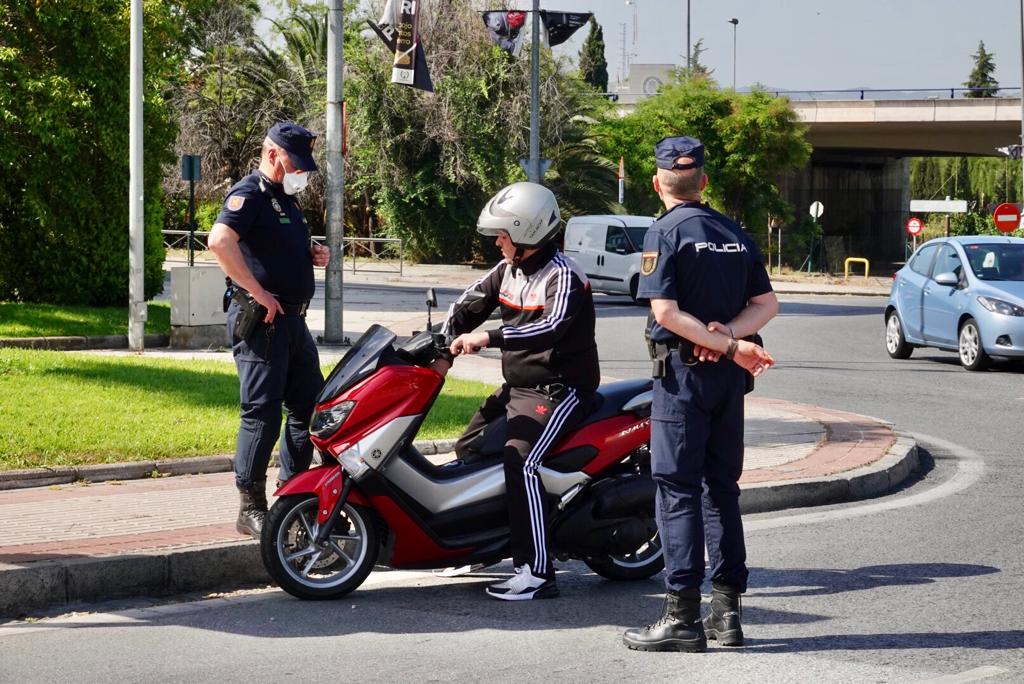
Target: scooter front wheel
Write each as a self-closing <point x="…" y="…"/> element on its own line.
<point x="306" y="570"/>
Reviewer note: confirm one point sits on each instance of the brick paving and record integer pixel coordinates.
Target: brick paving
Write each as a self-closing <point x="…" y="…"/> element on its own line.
<point x="785" y="442"/>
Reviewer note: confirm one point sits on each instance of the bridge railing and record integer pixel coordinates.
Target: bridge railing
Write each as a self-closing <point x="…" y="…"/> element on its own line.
<point x="625" y="97"/>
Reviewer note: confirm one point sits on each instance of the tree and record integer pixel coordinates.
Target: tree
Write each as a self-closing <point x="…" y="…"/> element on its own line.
<point x="427" y="163"/>
<point x="593" y="65"/>
<point x="750" y="141"/>
<point x="960" y="178"/>
<point x="64" y="145"/>
<point x="696" y="70"/>
<point x="981" y="80"/>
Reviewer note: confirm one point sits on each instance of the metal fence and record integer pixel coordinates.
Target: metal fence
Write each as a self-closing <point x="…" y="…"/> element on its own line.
<point x="380" y="255"/>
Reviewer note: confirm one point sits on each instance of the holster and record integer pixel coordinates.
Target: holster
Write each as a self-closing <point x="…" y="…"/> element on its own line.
<point x="250" y="312"/>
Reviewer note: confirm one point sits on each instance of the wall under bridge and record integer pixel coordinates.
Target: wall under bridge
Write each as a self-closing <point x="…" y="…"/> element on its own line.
<point x="866" y="199"/>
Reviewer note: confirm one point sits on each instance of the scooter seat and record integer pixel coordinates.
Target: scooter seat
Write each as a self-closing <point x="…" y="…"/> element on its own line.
<point x="608" y="401"/>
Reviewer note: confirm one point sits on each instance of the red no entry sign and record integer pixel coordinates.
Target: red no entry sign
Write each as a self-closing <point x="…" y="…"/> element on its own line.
<point x="914" y="225"/>
<point x="1006" y="217"/>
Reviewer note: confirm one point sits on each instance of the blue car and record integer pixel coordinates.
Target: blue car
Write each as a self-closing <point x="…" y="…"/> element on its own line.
<point x="962" y="294"/>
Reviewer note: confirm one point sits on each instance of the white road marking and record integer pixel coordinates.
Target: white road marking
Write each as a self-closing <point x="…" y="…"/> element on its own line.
<point x="967" y="676"/>
<point x="969" y="469"/>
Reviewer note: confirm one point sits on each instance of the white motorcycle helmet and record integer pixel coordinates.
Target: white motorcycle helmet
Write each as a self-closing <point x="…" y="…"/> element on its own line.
<point x="528" y="212"/>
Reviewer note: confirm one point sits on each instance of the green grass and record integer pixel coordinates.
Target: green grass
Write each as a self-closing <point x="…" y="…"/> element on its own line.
<point x="49" y="320"/>
<point x="59" y="408"/>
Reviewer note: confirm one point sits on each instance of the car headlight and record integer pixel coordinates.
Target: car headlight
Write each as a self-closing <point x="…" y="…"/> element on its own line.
<point x="326" y="422"/>
<point x="1000" y="307"/>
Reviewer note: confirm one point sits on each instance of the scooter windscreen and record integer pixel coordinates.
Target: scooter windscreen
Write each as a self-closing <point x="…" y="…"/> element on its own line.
<point x="358" y="362"/>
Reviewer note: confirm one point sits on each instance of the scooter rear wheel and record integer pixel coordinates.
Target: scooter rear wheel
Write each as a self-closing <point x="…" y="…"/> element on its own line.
<point x="307" y="571"/>
<point x="646" y="561"/>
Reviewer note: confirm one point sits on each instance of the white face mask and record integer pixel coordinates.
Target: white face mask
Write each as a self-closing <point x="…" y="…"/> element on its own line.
<point x="294" y="183"/>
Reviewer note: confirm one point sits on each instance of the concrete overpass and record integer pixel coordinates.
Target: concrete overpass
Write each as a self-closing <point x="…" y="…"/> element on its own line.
<point x="897" y="128"/>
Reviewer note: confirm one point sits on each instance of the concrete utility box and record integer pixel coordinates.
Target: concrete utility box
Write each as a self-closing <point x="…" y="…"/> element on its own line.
<point x="198" y="320"/>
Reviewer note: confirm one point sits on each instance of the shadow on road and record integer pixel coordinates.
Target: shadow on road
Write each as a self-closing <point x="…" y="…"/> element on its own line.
<point x="798" y="582"/>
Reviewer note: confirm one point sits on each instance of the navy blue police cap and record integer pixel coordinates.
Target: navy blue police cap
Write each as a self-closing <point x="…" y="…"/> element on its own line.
<point x="297" y="142"/>
<point x="667" y="150"/>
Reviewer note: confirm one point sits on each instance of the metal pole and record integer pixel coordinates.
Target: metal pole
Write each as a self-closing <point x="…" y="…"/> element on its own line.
<point x="735" y="22"/>
<point x="533" y="175"/>
<point x="688" y="64"/>
<point x="1021" y="14"/>
<point x="191" y="222"/>
<point x="334" y="302"/>
<point x="136" y="231"/>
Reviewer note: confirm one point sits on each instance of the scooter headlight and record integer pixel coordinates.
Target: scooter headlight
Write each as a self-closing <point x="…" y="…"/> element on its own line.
<point x="325" y="422"/>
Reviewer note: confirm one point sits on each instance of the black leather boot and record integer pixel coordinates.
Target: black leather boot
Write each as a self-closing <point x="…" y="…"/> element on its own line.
<point x="678" y="629"/>
<point x="252" y="509"/>
<point x="723" y="622"/>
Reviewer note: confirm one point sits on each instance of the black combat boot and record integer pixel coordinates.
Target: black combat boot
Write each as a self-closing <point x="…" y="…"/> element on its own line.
<point x="678" y="629"/>
<point x="723" y="622"/>
<point x="253" y="509"/>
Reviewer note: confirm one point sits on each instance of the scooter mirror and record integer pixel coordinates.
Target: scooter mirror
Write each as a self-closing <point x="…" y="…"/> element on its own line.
<point x="431" y="297"/>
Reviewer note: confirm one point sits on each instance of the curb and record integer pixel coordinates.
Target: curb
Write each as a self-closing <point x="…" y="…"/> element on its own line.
<point x="881" y="477"/>
<point x="83" y="342"/>
<point x="137" y="470"/>
<point x="57" y="584"/>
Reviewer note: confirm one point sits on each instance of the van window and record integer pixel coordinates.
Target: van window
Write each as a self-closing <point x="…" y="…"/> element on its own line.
<point x="616" y="241"/>
<point x="636" y="236"/>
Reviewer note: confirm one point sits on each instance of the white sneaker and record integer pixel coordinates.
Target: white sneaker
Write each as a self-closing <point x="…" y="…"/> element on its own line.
<point x="523" y="587"/>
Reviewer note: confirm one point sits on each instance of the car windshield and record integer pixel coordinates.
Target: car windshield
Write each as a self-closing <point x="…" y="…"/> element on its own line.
<point x="636" y="235"/>
<point x="996" y="261"/>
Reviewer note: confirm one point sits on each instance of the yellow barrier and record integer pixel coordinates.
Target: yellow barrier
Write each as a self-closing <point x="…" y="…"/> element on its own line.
<point x="846" y="266"/>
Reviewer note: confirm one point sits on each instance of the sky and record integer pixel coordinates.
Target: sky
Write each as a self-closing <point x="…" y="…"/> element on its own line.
<point x="811" y="44"/>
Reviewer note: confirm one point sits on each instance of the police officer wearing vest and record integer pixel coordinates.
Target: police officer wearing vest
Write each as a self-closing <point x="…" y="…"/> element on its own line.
<point x="262" y="242"/>
<point x="708" y="289"/>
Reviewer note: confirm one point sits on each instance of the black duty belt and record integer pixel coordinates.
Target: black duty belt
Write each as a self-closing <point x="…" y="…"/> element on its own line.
<point x="683" y="347"/>
<point x="294" y="309"/>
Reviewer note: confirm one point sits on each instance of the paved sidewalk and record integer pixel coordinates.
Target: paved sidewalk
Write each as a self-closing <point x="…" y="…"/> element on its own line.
<point x="65" y="544"/>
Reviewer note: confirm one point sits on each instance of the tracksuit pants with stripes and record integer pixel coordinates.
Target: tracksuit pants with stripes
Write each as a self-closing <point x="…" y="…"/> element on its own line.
<point x="537" y="419"/>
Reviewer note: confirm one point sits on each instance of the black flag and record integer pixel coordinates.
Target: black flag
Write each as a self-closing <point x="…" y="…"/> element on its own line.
<point x="561" y="25"/>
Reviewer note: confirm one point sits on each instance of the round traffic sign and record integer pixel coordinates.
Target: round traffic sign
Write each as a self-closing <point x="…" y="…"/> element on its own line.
<point x="914" y="225"/>
<point x="1006" y="217"/>
<point x="817" y="209"/>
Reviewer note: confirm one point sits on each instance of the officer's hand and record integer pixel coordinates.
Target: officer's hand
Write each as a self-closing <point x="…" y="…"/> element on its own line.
<point x="321" y="255"/>
<point x="469" y="343"/>
<point x="752" y="357"/>
<point x="710" y="355"/>
<point x="441" y="366"/>
<point x="273" y="306"/>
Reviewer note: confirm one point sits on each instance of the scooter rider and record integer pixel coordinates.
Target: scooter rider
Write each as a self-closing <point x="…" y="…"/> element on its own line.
<point x="549" y="362"/>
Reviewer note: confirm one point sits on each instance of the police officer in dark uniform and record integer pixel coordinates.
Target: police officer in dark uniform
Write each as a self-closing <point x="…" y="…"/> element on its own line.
<point x="708" y="289"/>
<point x="262" y="242"/>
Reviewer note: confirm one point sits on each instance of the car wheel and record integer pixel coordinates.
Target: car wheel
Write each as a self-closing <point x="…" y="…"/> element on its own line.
<point x="972" y="355"/>
<point x="895" y="343"/>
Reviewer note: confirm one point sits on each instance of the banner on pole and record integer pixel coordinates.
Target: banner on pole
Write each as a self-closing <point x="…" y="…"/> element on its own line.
<point x="506" y="29"/>
<point x="559" y="26"/>
<point x="397" y="29"/>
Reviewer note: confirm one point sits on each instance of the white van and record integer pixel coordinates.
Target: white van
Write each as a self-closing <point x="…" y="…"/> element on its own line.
<point x="608" y="249"/>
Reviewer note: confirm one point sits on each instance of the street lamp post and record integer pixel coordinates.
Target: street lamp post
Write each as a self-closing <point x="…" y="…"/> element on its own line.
<point x="688" y="65"/>
<point x="1022" y="97"/>
<point x="735" y="22"/>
